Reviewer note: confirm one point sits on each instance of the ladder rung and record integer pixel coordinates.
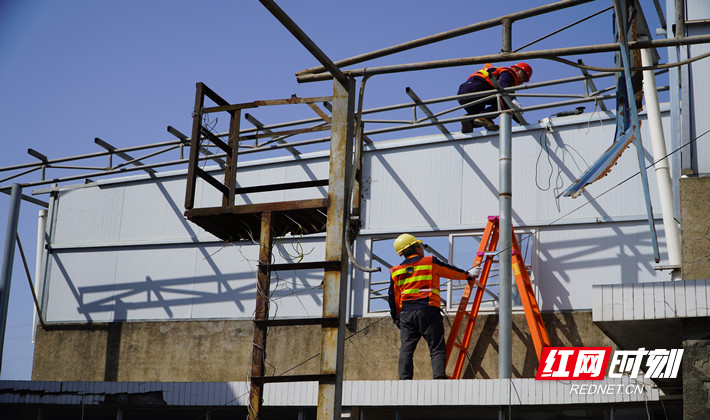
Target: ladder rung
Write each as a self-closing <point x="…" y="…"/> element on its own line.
<point x="329" y="321"/>
<point x="327" y="265"/>
<point x="316" y="377"/>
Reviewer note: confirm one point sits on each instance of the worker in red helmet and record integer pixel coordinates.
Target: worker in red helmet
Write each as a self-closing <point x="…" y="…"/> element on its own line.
<point x="415" y="303"/>
<point x="479" y="81"/>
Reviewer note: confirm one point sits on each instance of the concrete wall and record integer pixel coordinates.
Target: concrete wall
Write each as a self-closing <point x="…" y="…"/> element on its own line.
<point x="221" y="350"/>
<point x="695" y="227"/>
<point x="695" y="242"/>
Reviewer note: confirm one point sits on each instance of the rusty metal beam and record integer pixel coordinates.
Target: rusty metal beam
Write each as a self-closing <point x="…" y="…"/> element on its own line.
<point x="427" y="111"/>
<point x="255" y="104"/>
<point x="216" y="140"/>
<point x="288" y="132"/>
<point x="334" y="282"/>
<point x="186" y="141"/>
<point x="230" y="172"/>
<point x="270" y="132"/>
<point x="297" y="321"/>
<point x="315" y="203"/>
<point x="261" y="312"/>
<point x="284" y="186"/>
<point x="305" y="41"/>
<point x="192" y="164"/>
<point x="123" y="155"/>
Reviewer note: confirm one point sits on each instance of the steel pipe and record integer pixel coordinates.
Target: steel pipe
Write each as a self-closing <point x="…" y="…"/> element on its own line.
<point x="13" y="217"/>
<point x="505" y="246"/>
<point x="661" y="165"/>
<point x="518" y="56"/>
<point x="449" y="34"/>
<point x="305" y="41"/>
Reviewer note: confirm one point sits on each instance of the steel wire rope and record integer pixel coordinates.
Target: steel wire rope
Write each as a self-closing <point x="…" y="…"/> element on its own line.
<point x="564" y="28"/>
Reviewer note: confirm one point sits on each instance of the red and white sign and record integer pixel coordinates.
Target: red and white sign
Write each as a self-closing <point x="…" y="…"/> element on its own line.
<point x="578" y="363"/>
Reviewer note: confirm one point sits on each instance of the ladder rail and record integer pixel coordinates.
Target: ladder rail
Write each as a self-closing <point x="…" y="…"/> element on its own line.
<point x="485" y="258"/>
<point x="463" y="304"/>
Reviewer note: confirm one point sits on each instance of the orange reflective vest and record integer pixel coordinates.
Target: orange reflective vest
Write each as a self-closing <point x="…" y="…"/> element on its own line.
<point x="420" y="280"/>
<point x="488" y="71"/>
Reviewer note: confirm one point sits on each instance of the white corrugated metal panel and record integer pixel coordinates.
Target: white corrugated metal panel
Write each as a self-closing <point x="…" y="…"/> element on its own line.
<point x="466" y="392"/>
<point x="438" y="183"/>
<point x="124" y="250"/>
<point x="662" y="300"/>
<point x="572" y="259"/>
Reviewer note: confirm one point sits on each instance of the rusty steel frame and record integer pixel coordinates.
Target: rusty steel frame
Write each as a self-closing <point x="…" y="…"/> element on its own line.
<point x="334" y="282"/>
<point x="261" y="312"/>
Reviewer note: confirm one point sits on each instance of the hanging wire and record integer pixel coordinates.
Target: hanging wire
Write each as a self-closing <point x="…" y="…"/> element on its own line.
<point x="562" y="29"/>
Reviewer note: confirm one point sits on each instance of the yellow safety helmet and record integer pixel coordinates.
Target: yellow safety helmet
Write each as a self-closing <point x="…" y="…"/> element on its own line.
<point x="403" y="242"/>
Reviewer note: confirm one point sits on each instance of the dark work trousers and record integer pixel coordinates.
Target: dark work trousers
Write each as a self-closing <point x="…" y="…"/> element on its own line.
<point x="413" y="325"/>
<point x="477" y="85"/>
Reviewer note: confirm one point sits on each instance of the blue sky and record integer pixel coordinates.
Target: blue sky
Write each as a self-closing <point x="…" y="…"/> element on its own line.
<point x="74" y="70"/>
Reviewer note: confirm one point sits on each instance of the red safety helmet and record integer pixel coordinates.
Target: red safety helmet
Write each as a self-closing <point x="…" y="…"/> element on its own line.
<point x="524" y="67"/>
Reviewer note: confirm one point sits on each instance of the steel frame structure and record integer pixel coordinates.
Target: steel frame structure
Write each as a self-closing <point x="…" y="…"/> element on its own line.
<point x="341" y="145"/>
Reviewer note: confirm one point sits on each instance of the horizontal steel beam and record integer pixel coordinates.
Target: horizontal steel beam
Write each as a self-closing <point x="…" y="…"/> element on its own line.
<point x="255" y="104"/>
<point x="331" y="321"/>
<point x="448" y="34"/>
<point x="316" y="377"/>
<point x="326" y="265"/>
<point x="262" y="207"/>
<point x="284" y="186"/>
<point x="519" y="56"/>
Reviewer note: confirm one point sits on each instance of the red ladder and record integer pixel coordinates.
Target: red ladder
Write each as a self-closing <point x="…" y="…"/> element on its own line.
<point x="484" y="259"/>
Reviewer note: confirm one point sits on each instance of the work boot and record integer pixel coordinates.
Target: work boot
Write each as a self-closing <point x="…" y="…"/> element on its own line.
<point x="466" y="126"/>
<point x="486" y="123"/>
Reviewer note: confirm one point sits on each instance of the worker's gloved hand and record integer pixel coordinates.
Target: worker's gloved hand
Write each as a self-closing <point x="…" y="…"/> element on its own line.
<point x="517" y="104"/>
<point x="396" y="322"/>
<point x="475" y="271"/>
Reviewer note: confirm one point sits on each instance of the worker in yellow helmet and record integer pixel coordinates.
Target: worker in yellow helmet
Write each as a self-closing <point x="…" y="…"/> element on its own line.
<point x="480" y="81"/>
<point x="415" y="303"/>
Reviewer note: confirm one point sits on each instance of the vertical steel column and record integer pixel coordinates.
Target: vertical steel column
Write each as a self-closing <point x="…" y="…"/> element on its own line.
<point x="13" y="217"/>
<point x="686" y="131"/>
<point x="230" y="172"/>
<point x="505" y="246"/>
<point x="675" y="93"/>
<point x="334" y="284"/>
<point x="256" y="391"/>
<point x="507" y="25"/>
<point x="621" y="19"/>
<point x="193" y="164"/>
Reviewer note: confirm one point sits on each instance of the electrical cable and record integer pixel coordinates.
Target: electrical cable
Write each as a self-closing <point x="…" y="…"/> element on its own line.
<point x="542" y="142"/>
<point x="593" y="199"/>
